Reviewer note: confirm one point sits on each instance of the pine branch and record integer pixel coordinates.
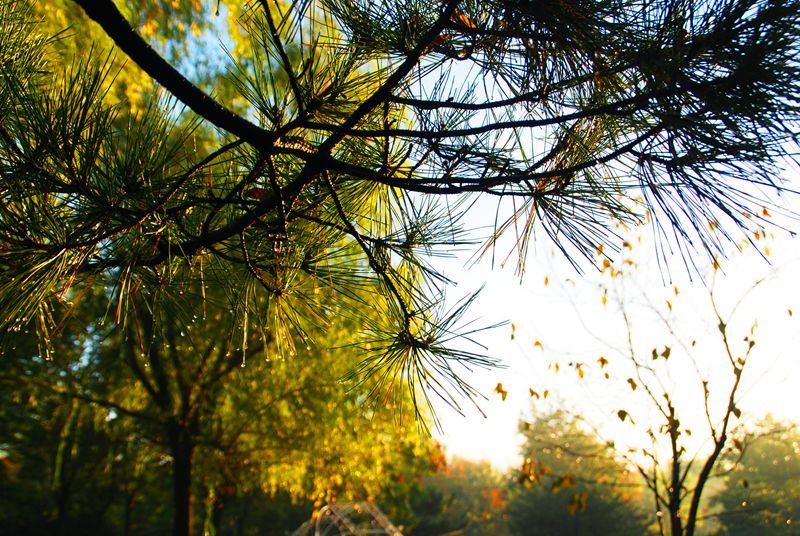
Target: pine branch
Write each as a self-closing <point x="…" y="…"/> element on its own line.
<point x="106" y="14"/>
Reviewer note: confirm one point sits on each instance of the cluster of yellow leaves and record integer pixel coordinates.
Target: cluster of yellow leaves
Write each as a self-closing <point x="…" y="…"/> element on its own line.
<point x="532" y="472"/>
<point x="577" y="502"/>
<point x="564" y="481"/>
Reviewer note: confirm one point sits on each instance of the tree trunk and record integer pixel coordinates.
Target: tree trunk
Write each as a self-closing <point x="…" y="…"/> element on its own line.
<point x="129" y="500"/>
<point x="182" y="447"/>
<point x="240" y="524"/>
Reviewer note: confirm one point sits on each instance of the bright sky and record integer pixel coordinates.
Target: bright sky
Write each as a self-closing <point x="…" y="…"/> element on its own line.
<point x="573" y="325"/>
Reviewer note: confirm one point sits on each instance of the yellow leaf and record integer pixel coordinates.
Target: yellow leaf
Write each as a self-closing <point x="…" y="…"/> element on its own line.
<point x="627" y="244"/>
<point x="579" y="368"/>
<point x="539" y="344"/>
<point x="632" y="383"/>
<point x="502" y="392"/>
<point x="790" y="312"/>
<point x="546" y="280"/>
<point x="578" y="501"/>
<point x="603" y="361"/>
<point x="572" y="508"/>
<point x="669" y="305"/>
<point x="545" y="393"/>
<point x="604" y="300"/>
<point x="533" y="393"/>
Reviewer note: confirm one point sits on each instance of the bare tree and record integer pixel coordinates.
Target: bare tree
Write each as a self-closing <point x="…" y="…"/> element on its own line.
<point x="679" y="397"/>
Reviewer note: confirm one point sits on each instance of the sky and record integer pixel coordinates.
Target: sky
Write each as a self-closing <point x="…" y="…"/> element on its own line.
<point x="557" y="315"/>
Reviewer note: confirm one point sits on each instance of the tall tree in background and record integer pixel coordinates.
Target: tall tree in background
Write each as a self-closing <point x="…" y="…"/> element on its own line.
<point x="466" y="498"/>
<point x="359" y="129"/>
<point x="761" y="494"/>
<point x="572" y="483"/>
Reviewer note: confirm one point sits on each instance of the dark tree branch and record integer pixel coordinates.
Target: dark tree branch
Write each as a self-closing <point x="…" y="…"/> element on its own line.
<point x="106" y="14"/>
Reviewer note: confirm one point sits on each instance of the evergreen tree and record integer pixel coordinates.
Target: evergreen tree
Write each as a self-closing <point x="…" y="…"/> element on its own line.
<point x="571" y="483"/>
<point x="761" y="493"/>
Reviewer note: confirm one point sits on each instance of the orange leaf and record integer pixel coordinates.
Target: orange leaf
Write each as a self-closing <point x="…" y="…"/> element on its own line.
<point x="459" y="17"/>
